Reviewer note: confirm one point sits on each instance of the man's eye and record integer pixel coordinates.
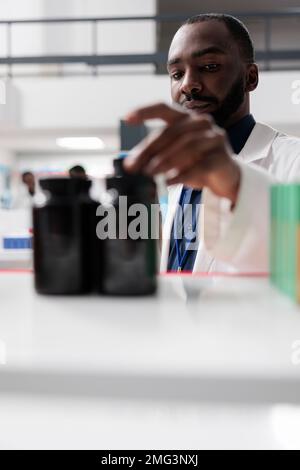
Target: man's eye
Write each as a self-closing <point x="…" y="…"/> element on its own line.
<point x="176" y="75"/>
<point x="210" y="67"/>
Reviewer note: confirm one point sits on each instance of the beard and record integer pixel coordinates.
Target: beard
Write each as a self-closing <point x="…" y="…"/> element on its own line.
<point x="231" y="103"/>
<point x="228" y="106"/>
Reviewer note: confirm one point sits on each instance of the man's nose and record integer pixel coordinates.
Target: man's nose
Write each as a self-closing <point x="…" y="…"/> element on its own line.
<point x="190" y="83"/>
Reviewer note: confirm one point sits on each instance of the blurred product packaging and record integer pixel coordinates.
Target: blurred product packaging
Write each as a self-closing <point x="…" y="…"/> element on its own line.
<point x="285" y="239"/>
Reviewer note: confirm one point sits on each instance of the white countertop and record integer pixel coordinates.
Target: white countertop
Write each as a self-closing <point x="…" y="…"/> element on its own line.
<point x="230" y="339"/>
<point x="37" y="422"/>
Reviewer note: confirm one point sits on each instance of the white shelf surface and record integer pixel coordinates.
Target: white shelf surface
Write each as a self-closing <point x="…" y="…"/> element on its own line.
<point x="34" y="422"/>
<point x="15" y="259"/>
<point x="218" y="340"/>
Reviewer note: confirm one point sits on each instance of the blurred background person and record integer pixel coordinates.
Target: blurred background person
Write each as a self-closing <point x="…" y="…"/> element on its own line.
<point x="24" y="191"/>
<point x="29" y="181"/>
<point x="77" y="171"/>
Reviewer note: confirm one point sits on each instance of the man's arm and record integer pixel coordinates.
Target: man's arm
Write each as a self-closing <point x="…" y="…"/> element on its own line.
<point x="240" y="237"/>
<point x="193" y="151"/>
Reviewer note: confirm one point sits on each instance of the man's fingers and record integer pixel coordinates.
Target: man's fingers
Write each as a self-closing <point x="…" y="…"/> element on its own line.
<point x="163" y="140"/>
<point x="186" y="152"/>
<point x="183" y="153"/>
<point x="141" y="153"/>
<point x="169" y="114"/>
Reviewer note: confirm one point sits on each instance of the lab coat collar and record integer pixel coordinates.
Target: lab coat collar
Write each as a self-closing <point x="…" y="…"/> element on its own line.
<point x="258" y="144"/>
<point x="174" y="192"/>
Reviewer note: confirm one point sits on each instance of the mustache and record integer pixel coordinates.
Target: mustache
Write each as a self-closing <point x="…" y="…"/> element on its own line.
<point x="200" y="98"/>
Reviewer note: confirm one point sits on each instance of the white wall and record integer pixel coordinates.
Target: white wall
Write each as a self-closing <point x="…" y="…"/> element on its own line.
<point x="7" y="158"/>
<point x="102" y="101"/>
<point x="10" y="106"/>
<point x="27" y="39"/>
<point x="20" y="9"/>
<point x="272" y="102"/>
<point x="90" y="102"/>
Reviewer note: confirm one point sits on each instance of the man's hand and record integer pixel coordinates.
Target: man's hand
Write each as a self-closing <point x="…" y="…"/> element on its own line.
<point x="190" y="150"/>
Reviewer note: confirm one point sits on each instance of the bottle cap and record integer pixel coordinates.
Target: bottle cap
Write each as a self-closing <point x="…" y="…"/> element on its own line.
<point x="65" y="186"/>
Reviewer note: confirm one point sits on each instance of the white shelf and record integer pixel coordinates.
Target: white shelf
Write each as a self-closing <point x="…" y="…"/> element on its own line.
<point x="232" y="343"/>
<point x="15" y="259"/>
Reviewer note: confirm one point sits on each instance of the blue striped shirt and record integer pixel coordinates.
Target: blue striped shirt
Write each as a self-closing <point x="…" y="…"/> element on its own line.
<point x="185" y="220"/>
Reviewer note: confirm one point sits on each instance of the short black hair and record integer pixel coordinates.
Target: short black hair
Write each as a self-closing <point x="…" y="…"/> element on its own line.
<point x="77" y="169"/>
<point x="236" y="28"/>
<point x="26" y="173"/>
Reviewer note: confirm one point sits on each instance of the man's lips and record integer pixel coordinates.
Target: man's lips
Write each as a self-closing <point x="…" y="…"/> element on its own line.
<point x="198" y="105"/>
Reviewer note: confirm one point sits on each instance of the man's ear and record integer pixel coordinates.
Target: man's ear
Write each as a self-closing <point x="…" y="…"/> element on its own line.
<point x="251" y="77"/>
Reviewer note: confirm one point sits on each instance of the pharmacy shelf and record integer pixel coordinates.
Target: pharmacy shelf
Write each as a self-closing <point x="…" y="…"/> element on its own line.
<point x="216" y="339"/>
<point x="15" y="259"/>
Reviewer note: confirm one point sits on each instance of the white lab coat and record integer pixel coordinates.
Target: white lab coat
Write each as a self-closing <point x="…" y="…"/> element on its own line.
<point x="238" y="240"/>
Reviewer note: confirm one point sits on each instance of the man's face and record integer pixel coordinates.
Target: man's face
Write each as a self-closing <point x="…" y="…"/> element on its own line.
<point x="29" y="181"/>
<point x="207" y="71"/>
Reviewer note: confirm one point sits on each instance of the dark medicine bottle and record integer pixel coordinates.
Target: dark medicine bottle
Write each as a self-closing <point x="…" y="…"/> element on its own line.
<point x="130" y="263"/>
<point x="64" y="237"/>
